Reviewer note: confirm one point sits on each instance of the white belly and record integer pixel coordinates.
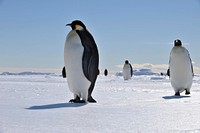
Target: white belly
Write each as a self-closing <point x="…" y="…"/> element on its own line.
<point x="126" y="72"/>
<point x="73" y="52"/>
<point x="181" y="75"/>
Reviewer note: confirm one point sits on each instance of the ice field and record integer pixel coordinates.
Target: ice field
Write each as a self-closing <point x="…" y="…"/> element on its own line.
<point x="38" y="103"/>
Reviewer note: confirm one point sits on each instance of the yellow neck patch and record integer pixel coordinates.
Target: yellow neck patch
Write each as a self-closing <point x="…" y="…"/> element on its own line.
<point x="78" y="27"/>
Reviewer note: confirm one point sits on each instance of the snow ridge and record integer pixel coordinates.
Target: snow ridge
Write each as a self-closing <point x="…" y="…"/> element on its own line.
<point x="26" y="73"/>
<point x="139" y="72"/>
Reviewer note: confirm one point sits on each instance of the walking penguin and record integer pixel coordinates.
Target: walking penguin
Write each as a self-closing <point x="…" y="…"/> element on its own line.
<point x="180" y="69"/>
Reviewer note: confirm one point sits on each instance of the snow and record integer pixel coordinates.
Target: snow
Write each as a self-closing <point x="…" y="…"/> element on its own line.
<point x="39" y="104"/>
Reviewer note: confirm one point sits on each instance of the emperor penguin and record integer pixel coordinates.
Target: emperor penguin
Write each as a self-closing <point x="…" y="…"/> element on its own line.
<point x="180" y="69"/>
<point x="105" y="72"/>
<point x="127" y="70"/>
<point x="81" y="60"/>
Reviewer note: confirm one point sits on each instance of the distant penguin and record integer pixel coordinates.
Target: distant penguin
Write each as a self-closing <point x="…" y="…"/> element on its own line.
<point x="63" y="72"/>
<point x="127" y="70"/>
<point x="105" y="72"/>
<point x="81" y="59"/>
<point x="180" y="69"/>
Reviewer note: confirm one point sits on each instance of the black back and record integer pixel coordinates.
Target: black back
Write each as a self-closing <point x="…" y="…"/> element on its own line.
<point x="191" y="65"/>
<point x="90" y="60"/>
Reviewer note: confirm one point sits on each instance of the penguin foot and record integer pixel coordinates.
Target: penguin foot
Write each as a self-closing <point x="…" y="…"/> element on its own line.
<point x="77" y="101"/>
<point x="187" y="92"/>
<point x="177" y="94"/>
<point x="91" y="100"/>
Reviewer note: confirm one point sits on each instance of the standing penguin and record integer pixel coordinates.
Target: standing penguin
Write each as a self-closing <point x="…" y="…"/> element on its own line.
<point x="127" y="70"/>
<point x="105" y="72"/>
<point x="81" y="62"/>
<point x="180" y="69"/>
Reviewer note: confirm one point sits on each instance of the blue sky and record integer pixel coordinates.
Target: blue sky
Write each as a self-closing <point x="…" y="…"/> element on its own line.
<point x="33" y="33"/>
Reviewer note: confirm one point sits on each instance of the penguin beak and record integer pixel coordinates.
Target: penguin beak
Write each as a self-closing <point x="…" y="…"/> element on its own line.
<point x="68" y="24"/>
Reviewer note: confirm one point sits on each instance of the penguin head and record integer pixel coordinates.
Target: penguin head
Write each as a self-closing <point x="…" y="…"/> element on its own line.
<point x="77" y="25"/>
<point x="177" y="42"/>
<point x="126" y="62"/>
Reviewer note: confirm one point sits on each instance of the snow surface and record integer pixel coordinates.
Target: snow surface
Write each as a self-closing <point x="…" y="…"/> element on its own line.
<point x="39" y="104"/>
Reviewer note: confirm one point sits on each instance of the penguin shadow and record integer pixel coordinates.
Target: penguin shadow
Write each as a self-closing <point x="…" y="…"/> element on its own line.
<point x="174" y="97"/>
<point x="56" y="106"/>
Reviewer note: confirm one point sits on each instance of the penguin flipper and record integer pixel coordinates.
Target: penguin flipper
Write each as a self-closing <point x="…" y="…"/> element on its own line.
<point x="131" y="70"/>
<point x="93" y="72"/>
<point x="168" y="72"/>
<point x="191" y="67"/>
<point x="64" y="72"/>
<point x="90" y="60"/>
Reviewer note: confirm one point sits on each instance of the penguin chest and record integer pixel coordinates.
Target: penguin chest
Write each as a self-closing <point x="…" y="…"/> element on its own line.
<point x="180" y="69"/>
<point x="126" y="72"/>
<point x="78" y="83"/>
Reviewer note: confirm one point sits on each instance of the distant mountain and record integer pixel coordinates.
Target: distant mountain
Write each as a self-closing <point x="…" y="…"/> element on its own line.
<point x="139" y="72"/>
<point x="26" y="73"/>
<point x="144" y="71"/>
